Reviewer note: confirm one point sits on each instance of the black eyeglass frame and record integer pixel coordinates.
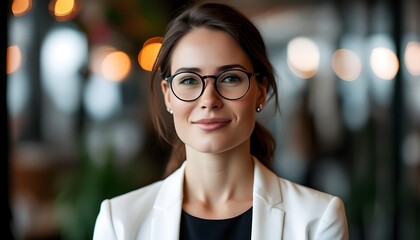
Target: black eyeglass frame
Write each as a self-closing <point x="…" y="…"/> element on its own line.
<point x="215" y="77"/>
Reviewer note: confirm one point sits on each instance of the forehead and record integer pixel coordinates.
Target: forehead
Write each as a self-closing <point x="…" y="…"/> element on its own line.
<point x="207" y="50"/>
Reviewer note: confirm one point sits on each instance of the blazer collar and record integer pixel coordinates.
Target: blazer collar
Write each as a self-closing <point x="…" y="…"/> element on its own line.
<point x="168" y="206"/>
<point x="267" y="219"/>
<point x="267" y="215"/>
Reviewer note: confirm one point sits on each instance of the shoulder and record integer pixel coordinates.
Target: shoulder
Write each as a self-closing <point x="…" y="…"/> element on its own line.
<point x="322" y="214"/>
<point x="294" y="192"/>
<point x="305" y="201"/>
<point x="129" y="216"/>
<point x="125" y="214"/>
<point x="277" y="189"/>
<point x="306" y="213"/>
<point x="137" y="198"/>
<point x="140" y="202"/>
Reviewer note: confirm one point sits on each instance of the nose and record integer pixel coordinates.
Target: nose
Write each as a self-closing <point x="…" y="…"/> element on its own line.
<point x="210" y="99"/>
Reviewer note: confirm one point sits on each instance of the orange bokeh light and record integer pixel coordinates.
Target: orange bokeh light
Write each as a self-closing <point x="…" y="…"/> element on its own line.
<point x="147" y="56"/>
<point x="116" y="66"/>
<point x="63" y="10"/>
<point x="21" y="7"/>
<point x="14" y="59"/>
<point x="97" y="56"/>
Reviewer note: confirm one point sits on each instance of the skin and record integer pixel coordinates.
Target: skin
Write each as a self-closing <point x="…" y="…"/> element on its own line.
<point x="219" y="173"/>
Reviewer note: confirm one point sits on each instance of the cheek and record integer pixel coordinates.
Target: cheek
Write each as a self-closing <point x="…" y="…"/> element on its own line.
<point x="249" y="102"/>
<point x="246" y="115"/>
<point x="181" y="112"/>
<point x="181" y="116"/>
<point x="246" y="109"/>
<point x="180" y="108"/>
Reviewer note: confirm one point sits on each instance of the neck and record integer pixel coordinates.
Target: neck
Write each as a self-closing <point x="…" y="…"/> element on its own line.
<point x="215" y="179"/>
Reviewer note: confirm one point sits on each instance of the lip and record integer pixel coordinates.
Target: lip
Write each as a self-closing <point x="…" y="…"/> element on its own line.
<point x="210" y="124"/>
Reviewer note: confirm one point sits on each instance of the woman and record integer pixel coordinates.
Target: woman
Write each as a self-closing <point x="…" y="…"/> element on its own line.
<point x="216" y="78"/>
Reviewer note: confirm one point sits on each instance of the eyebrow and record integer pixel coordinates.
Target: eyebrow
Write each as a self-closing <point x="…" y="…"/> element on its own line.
<point x="219" y="69"/>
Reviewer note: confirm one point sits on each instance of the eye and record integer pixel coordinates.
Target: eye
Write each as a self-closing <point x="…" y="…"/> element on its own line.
<point x="231" y="79"/>
<point x="188" y="81"/>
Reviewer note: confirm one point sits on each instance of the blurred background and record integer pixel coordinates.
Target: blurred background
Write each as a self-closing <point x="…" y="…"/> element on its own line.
<point x="78" y="128"/>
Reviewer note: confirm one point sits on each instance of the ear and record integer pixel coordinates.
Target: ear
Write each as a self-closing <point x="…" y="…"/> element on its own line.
<point x="166" y="93"/>
<point x="262" y="91"/>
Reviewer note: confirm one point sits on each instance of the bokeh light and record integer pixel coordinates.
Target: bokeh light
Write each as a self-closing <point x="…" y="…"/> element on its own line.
<point x="63" y="10"/>
<point x="63" y="54"/>
<point x="18" y="89"/>
<point x="384" y="63"/>
<point x="412" y="58"/>
<point x="147" y="56"/>
<point x="14" y="59"/>
<point x="21" y="7"/>
<point x="346" y="64"/>
<point x="64" y="51"/>
<point x="411" y="150"/>
<point x="97" y="56"/>
<point x="303" y="57"/>
<point x="102" y="98"/>
<point x="116" y="66"/>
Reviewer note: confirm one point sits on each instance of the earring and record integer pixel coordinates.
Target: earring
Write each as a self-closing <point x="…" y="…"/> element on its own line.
<point x="260" y="108"/>
<point x="169" y="110"/>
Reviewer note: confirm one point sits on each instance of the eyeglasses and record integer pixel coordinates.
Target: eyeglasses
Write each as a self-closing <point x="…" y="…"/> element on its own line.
<point x="232" y="84"/>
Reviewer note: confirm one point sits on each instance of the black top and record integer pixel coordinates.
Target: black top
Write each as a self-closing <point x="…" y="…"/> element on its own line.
<point x="236" y="228"/>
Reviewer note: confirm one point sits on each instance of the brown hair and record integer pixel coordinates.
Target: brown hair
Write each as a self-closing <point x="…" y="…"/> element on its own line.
<point x="227" y="19"/>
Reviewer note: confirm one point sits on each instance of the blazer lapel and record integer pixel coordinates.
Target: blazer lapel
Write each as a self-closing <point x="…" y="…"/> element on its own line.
<point x="168" y="206"/>
<point x="268" y="215"/>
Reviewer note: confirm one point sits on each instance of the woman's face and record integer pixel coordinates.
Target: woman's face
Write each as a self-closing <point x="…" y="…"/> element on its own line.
<point x="212" y="124"/>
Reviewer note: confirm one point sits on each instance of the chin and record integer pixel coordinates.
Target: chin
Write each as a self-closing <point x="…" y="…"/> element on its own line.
<point x="215" y="144"/>
<point x="214" y="147"/>
<point x="209" y="149"/>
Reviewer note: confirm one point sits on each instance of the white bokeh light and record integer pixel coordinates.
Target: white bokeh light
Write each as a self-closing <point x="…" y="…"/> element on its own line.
<point x="19" y="84"/>
<point x="303" y="57"/>
<point x="384" y="63"/>
<point x="63" y="54"/>
<point x="346" y="64"/>
<point x="17" y="92"/>
<point x="354" y="92"/>
<point x="382" y="57"/>
<point x="412" y="58"/>
<point x="102" y="98"/>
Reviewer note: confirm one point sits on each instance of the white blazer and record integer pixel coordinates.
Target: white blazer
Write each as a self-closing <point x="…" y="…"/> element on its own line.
<point x="281" y="210"/>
